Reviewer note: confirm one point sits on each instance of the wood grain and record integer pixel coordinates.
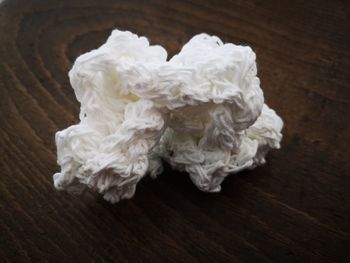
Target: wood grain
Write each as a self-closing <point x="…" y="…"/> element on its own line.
<point x="295" y="208"/>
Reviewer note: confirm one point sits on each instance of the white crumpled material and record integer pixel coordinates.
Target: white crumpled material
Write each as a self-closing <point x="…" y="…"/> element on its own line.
<point x="202" y="111"/>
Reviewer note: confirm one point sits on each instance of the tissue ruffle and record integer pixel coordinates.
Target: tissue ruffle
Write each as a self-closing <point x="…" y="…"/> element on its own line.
<point x="108" y="150"/>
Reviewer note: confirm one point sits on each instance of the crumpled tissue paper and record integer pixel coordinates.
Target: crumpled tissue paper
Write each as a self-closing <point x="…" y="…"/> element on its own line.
<point x="202" y="111"/>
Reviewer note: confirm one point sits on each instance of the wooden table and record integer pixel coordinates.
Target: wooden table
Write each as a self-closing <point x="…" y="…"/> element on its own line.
<point x="295" y="208"/>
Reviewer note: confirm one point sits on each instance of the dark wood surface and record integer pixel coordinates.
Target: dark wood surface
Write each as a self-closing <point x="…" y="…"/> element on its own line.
<point x="295" y="208"/>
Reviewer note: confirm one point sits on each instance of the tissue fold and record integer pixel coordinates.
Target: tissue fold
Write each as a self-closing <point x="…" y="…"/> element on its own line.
<point x="202" y="111"/>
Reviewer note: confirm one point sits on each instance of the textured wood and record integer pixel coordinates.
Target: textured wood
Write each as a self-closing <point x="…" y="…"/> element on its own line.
<point x="295" y="208"/>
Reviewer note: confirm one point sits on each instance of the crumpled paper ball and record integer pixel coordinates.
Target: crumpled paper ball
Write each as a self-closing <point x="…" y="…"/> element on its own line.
<point x="202" y="111"/>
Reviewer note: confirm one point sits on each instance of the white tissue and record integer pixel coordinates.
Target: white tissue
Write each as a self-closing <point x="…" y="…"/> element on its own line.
<point x="202" y="111"/>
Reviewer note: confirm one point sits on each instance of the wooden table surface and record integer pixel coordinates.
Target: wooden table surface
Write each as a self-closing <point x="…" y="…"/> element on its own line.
<point x="295" y="208"/>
